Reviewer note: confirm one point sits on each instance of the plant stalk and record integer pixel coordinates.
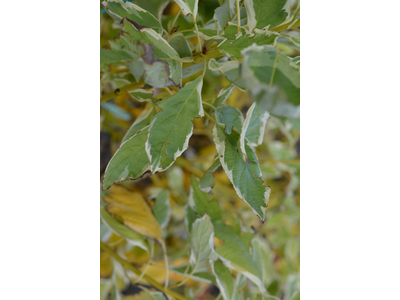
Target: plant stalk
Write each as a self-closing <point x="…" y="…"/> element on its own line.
<point x="129" y="87"/>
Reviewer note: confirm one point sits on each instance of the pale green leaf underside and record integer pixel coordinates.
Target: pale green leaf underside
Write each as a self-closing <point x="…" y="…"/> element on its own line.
<point x="172" y="127"/>
<point x="222" y="16"/>
<point x="225" y="281"/>
<point x="181" y="45"/>
<point x="129" y="162"/>
<point x="263" y="63"/>
<point x="245" y="176"/>
<point x="133" y="237"/>
<point x="235" y="254"/>
<point x="162" y="208"/>
<point x="119" y="10"/>
<point x="143" y="96"/>
<point x="202" y="242"/>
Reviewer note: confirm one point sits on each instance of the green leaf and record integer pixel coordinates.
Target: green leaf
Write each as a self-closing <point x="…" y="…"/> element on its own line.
<point x="120" y="229"/>
<point x="231" y="32"/>
<point x="245" y="176"/>
<point x="223" y="95"/>
<point x="172" y="127"/>
<point x="130" y="162"/>
<point x="266" y="13"/>
<point x="225" y="281"/>
<point x="201" y="202"/>
<point x="207" y="181"/>
<point x="189" y="7"/>
<point x="263" y="258"/>
<point x="253" y="128"/>
<point x="202" y="243"/>
<point x="141" y="122"/>
<point x="162" y="208"/>
<point x="234" y="48"/>
<point x="162" y="50"/>
<point x="231" y="117"/>
<point x="181" y="45"/>
<point x="235" y="254"/>
<point x="119" y="9"/>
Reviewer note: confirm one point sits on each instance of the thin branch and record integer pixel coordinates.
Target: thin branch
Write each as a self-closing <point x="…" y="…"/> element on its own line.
<point x="129" y="87"/>
<point x="238" y="16"/>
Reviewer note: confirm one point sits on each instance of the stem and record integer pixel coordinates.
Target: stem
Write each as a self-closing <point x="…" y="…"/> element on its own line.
<point x="173" y="22"/>
<point x="211" y="118"/>
<point x="238" y="16"/>
<point x="273" y="70"/>
<point x="197" y="32"/>
<point x="198" y="58"/>
<point x="135" y="270"/>
<point x="209" y="104"/>
<point x="183" y="163"/>
<point x="129" y="87"/>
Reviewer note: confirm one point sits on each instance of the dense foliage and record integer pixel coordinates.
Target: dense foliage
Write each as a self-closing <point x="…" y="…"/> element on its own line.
<point x="200" y="105"/>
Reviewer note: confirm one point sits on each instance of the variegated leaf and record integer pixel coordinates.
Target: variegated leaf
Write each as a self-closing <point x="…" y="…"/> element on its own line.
<point x="253" y="128"/>
<point x="130" y="162"/>
<point x="119" y="9"/>
<point x="245" y="176"/>
<point x="172" y="127"/>
<point x="141" y="122"/>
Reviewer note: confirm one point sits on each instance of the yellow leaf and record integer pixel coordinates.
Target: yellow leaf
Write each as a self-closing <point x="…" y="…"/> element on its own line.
<point x="134" y="211"/>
